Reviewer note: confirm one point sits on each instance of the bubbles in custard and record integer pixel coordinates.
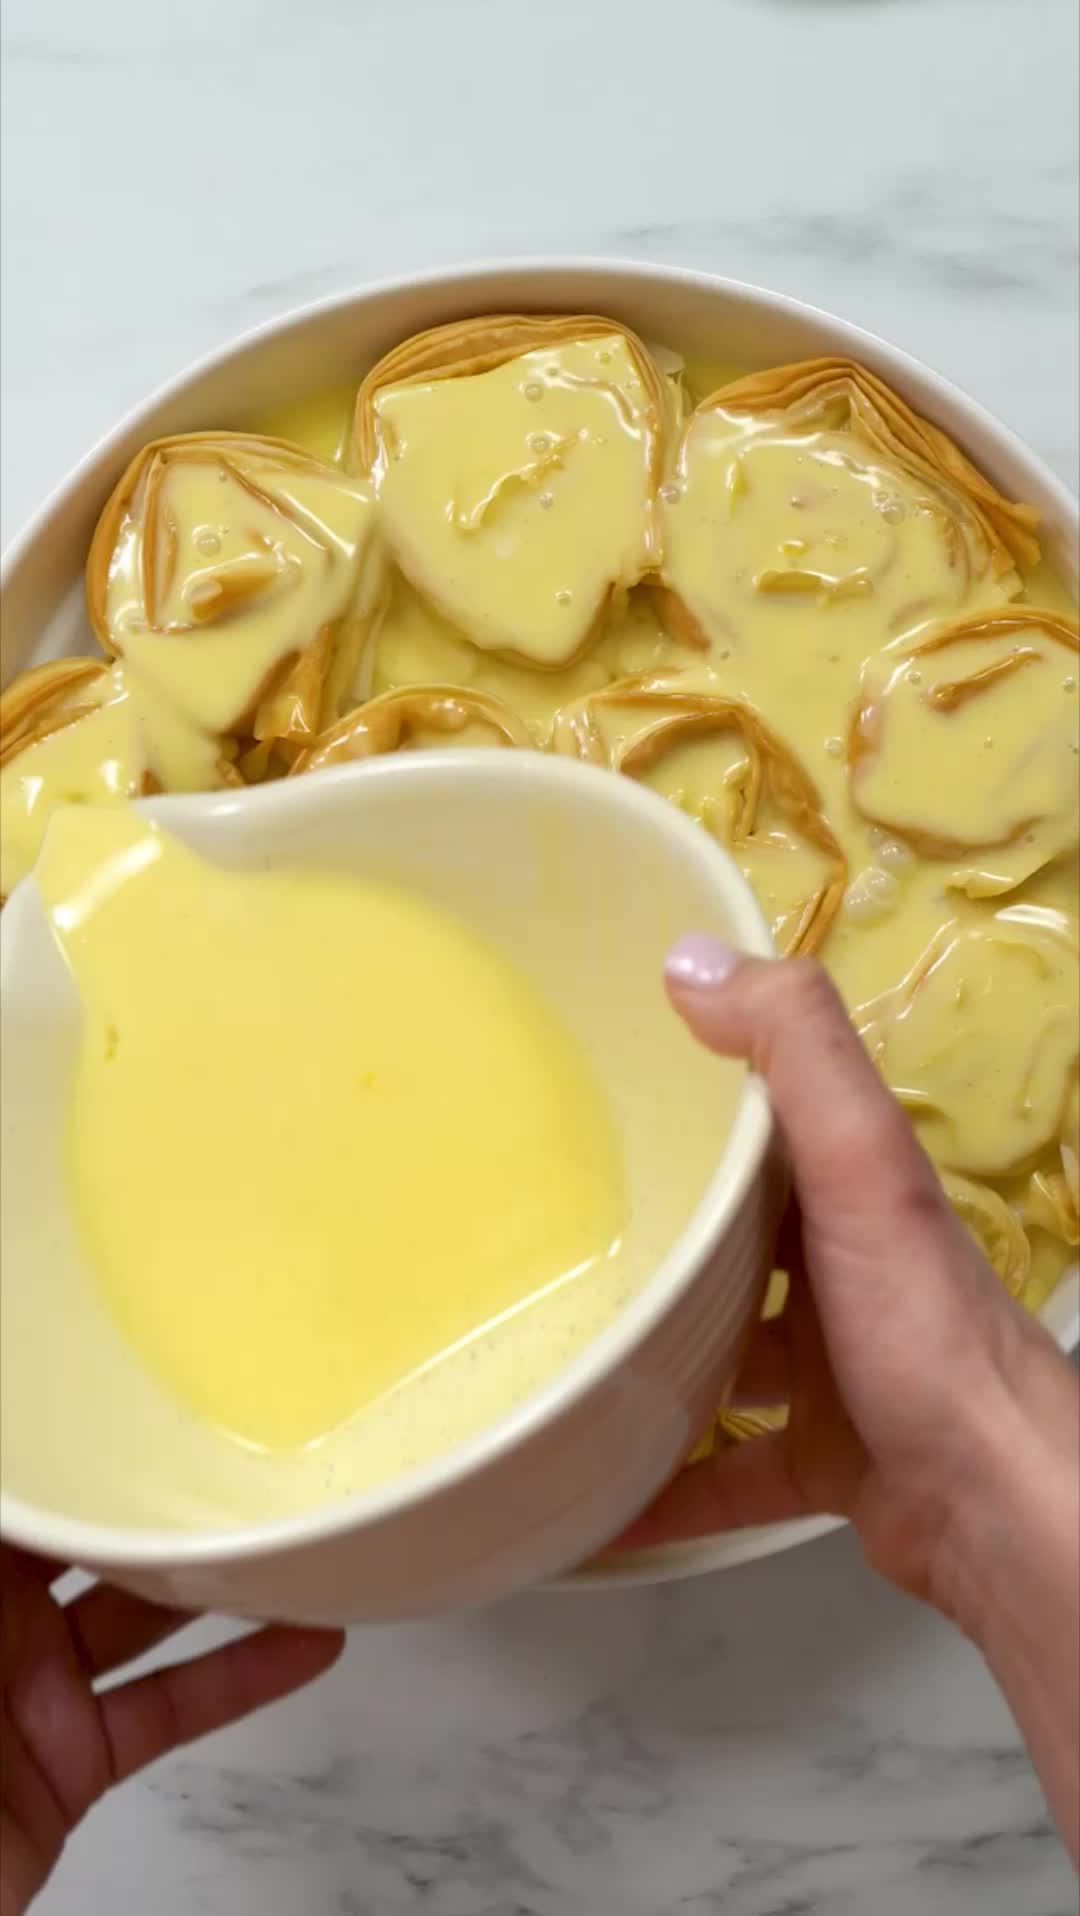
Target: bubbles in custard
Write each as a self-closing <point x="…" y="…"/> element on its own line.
<point x="872" y="894"/>
<point x="532" y="389"/>
<point x="893" y="854"/>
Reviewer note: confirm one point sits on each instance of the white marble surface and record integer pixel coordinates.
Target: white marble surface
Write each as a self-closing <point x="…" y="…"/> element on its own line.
<point x="793" y="1737"/>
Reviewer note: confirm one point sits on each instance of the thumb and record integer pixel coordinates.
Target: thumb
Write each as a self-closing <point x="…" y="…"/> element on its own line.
<point x="858" y="1168"/>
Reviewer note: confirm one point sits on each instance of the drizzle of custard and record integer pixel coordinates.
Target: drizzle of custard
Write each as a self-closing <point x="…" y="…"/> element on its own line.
<point x="231" y="557"/>
<point x="488" y="482"/>
<point x="118" y="741"/>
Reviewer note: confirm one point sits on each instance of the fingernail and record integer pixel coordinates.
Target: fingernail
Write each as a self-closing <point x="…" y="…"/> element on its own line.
<point x="698" y="961"/>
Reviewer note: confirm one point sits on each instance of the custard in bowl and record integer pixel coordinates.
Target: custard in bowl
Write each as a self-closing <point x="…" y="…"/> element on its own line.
<point x="729" y="549"/>
<point x="375" y="1241"/>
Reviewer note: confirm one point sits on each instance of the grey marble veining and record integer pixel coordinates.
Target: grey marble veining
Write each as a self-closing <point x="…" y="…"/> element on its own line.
<point x="933" y="198"/>
<point x="792" y="1739"/>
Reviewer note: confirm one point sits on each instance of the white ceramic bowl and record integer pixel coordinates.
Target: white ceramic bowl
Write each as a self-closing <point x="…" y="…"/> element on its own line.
<point x="584" y="880"/>
<point x="337" y="340"/>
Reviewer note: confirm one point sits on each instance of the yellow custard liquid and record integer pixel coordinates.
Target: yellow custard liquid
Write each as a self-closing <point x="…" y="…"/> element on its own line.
<point x="486" y="483"/>
<point x="123" y="741"/>
<point x="803" y="576"/>
<point x="814" y="569"/>
<point x="321" y="1136"/>
<point x="319" y="422"/>
<point x="252" y="554"/>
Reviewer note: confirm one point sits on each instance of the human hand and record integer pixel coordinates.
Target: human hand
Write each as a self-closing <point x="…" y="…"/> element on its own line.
<point x="63" y="1742"/>
<point x="926" y="1406"/>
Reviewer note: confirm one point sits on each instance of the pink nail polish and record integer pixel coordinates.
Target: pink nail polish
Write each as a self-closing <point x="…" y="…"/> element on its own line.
<point x="698" y="961"/>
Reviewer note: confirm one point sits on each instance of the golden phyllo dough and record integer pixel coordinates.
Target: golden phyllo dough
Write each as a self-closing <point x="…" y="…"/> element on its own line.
<point x="980" y="1041"/>
<point x="995" y="1227"/>
<point x="718" y="760"/>
<point x="966" y="745"/>
<point x="840" y="390"/>
<point x="82" y="731"/>
<point x="419" y="716"/>
<point x="46" y="698"/>
<point x="811" y="499"/>
<point x="796" y="611"/>
<point x="733" y="1427"/>
<point x="1052" y="1200"/>
<point x="414" y="645"/>
<point x="517" y="462"/>
<point x="237" y="574"/>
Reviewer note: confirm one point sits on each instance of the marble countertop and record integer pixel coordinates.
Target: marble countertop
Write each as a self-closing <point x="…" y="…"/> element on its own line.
<point x="792" y="1737"/>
